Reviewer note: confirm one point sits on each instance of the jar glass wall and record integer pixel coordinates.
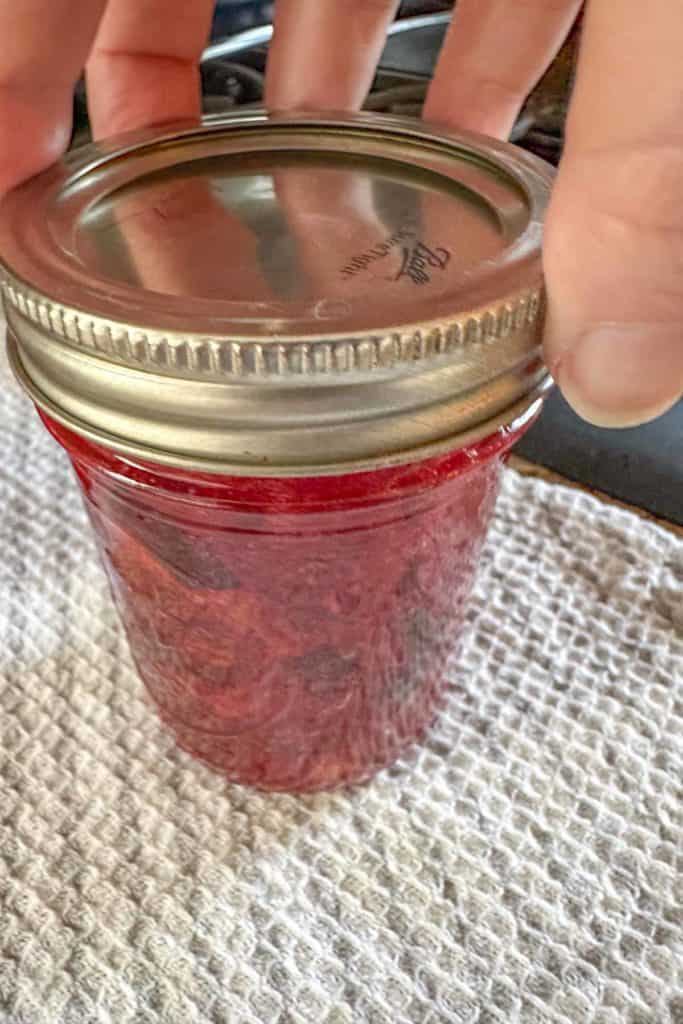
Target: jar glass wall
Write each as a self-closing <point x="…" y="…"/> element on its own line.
<point x="311" y="339"/>
<point x="293" y="633"/>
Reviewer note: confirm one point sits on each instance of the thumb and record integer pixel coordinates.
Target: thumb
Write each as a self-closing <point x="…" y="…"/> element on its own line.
<point x="614" y="269"/>
<point x="614" y="243"/>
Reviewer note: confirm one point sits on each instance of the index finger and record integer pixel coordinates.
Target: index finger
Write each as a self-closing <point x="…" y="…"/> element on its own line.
<point x="494" y="54"/>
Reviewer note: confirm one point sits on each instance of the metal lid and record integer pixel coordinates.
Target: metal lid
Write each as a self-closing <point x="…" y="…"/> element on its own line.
<point x="278" y="294"/>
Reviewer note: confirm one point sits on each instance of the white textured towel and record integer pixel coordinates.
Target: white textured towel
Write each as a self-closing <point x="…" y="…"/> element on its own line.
<point x="525" y="865"/>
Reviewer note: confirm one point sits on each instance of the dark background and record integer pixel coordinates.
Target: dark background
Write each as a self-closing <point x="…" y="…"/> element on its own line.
<point x="238" y="15"/>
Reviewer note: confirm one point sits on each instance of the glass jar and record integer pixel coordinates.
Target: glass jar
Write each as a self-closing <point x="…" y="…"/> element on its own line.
<point x="289" y="491"/>
<point x="294" y="633"/>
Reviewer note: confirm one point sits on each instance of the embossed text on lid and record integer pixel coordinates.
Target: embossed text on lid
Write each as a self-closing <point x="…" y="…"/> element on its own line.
<point x="348" y="254"/>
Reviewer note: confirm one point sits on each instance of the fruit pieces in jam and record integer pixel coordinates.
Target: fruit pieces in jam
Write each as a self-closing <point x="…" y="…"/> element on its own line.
<point x="293" y="633"/>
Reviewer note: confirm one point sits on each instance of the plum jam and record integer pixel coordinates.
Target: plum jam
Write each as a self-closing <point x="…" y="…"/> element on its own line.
<point x="287" y="355"/>
<point x="293" y="633"/>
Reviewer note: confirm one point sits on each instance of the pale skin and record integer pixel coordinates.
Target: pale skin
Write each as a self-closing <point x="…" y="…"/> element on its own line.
<point x="613" y="250"/>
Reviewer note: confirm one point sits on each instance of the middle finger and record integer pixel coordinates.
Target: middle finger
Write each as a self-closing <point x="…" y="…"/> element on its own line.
<point x="324" y="53"/>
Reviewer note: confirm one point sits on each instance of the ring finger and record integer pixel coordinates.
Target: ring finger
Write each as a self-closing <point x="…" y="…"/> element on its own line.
<point x="143" y="68"/>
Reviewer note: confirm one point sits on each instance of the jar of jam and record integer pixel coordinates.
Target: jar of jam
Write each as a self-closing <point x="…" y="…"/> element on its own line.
<point x="287" y="356"/>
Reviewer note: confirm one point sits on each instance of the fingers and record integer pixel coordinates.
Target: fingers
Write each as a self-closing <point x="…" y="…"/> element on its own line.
<point x="143" y="69"/>
<point x="324" y="52"/>
<point x="48" y="44"/>
<point x="144" y="66"/>
<point x="494" y="54"/>
<point x="614" y="239"/>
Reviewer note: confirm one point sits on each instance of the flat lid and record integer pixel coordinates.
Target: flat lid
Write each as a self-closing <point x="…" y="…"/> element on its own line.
<point x="255" y="226"/>
<point x="263" y="247"/>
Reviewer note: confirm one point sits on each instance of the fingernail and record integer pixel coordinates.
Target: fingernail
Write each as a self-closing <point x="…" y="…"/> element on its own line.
<point x="621" y="375"/>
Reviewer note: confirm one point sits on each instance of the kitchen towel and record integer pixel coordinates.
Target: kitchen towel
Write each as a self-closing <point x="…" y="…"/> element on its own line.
<point x="525" y="866"/>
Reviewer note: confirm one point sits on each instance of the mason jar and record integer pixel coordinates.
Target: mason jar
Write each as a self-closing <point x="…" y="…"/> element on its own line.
<point x="287" y="357"/>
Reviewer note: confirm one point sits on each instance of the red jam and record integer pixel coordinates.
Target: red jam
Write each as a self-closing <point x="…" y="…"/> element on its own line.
<point x="294" y="633"/>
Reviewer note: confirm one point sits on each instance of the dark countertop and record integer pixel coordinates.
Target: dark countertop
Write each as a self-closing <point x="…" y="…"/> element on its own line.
<point x="642" y="466"/>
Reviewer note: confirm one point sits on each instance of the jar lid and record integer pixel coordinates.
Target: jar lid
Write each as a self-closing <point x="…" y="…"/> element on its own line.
<point x="280" y="294"/>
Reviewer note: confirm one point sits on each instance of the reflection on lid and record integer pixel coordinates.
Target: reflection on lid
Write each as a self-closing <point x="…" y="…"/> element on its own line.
<point x="290" y="228"/>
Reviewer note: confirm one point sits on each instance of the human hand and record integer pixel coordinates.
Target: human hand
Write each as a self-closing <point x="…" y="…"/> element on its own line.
<point x="613" y="247"/>
<point x="142" y="67"/>
<point x="614" y="241"/>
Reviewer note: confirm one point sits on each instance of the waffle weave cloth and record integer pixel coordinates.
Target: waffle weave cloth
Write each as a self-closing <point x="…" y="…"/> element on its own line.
<point x="524" y="866"/>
